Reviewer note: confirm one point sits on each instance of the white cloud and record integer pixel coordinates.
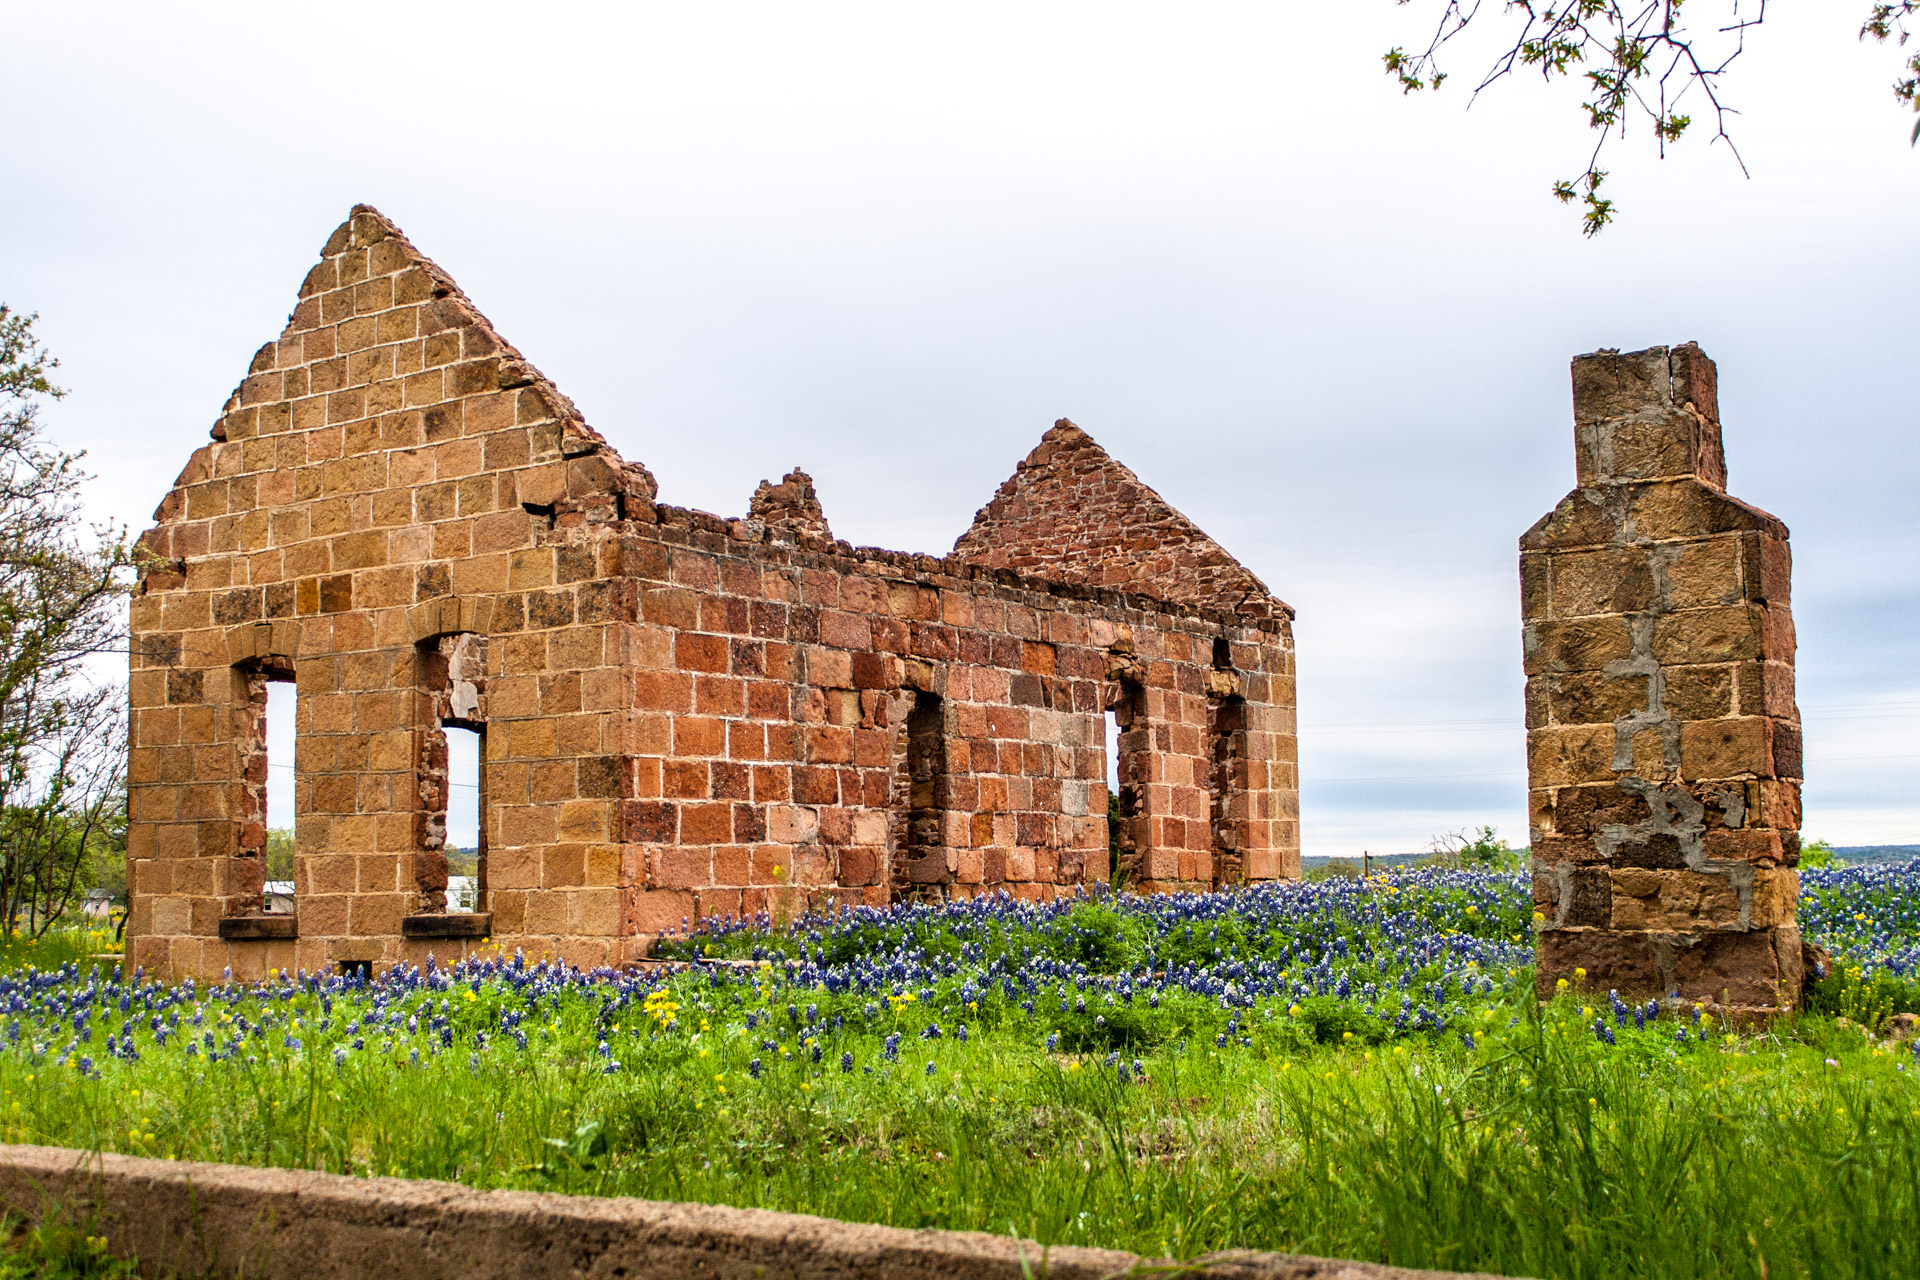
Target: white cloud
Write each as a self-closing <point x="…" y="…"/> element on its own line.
<point x="892" y="244"/>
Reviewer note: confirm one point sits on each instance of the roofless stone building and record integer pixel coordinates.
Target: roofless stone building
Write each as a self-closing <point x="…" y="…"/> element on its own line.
<point x="400" y="521"/>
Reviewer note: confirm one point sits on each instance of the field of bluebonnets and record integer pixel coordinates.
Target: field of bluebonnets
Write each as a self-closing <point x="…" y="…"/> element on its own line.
<point x="1349" y="1067"/>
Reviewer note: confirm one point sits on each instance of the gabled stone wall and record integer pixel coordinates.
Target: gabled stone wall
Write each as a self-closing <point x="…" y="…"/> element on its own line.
<point x="1663" y="740"/>
<point x="681" y="714"/>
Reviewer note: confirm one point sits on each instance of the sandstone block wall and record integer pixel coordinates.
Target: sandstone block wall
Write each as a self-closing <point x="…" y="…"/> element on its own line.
<point x="774" y="691"/>
<point x="400" y="519"/>
<point x="1663" y="741"/>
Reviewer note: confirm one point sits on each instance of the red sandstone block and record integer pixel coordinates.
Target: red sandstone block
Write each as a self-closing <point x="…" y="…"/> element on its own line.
<point x="859" y="867"/>
<point x="845" y="630"/>
<point x="1755" y="845"/>
<point x="685" y="779"/>
<point x="694" y="652"/>
<point x="725" y="615"/>
<point x="767" y="620"/>
<point x="829" y="744"/>
<point x="746" y="740"/>
<point x="816" y="785"/>
<point x="670" y="607"/>
<point x="1727" y="748"/>
<point x="729" y="781"/>
<point x="720" y="696"/>
<point x="1731" y="634"/>
<point x="657" y="910"/>
<point x="682" y="867"/>
<point x="1034" y="829"/>
<point x="699" y="736"/>
<point x="732" y="865"/>
<point x="720" y="903"/>
<point x="691" y="569"/>
<point x="1735" y="969"/>
<point x="772" y="782"/>
<point x="1007" y="722"/>
<point x="749" y="823"/>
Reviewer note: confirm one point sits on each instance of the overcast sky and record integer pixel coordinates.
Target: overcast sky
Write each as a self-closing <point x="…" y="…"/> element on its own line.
<point x="892" y="243"/>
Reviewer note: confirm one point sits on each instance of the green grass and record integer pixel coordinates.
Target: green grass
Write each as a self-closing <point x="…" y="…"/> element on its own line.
<point x="77" y="941"/>
<point x="1302" y="1122"/>
<point x="55" y="1249"/>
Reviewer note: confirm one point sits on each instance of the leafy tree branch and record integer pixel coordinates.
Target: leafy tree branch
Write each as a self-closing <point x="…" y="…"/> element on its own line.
<point x="1635" y="59"/>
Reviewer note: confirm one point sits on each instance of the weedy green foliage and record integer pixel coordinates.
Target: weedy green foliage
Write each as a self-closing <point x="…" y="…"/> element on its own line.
<point x="57" y="1249"/>
<point x="1354" y="1068"/>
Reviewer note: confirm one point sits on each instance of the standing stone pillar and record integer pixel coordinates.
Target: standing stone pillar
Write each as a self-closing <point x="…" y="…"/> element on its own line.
<point x="1663" y="743"/>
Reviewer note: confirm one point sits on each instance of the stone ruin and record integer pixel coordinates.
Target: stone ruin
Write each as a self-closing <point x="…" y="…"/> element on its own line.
<point x="682" y="715"/>
<point x="1663" y="742"/>
<point x="678" y="714"/>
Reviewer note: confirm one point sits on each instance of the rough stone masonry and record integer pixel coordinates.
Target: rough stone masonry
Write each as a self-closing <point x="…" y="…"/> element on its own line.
<point x="679" y="714"/>
<point x="1663" y="742"/>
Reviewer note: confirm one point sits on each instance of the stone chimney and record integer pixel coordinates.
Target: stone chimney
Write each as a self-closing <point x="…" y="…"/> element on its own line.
<point x="1647" y="415"/>
<point x="1663" y="741"/>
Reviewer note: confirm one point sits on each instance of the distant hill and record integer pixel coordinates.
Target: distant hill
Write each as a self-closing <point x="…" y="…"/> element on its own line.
<point x="1877" y="852"/>
<point x="1378" y="860"/>
<point x="1845" y="853"/>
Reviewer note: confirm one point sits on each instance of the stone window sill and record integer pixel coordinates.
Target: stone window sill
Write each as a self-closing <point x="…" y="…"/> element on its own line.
<point x="257" y="928"/>
<point x="451" y="924"/>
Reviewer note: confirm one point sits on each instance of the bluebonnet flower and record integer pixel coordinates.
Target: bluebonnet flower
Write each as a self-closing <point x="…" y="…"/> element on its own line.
<point x="846" y="1064"/>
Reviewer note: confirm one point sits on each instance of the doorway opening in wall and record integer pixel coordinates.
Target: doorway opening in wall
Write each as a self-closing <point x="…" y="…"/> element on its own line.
<point x="919" y="858"/>
<point x="466" y="839"/>
<point x="1126" y="783"/>
<point x="1227" y="784"/>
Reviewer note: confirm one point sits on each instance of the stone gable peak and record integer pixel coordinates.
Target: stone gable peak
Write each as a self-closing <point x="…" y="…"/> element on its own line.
<point x="1071" y="512"/>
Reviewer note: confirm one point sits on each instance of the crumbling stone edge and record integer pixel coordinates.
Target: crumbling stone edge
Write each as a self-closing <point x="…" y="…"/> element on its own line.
<point x="188" y="1218"/>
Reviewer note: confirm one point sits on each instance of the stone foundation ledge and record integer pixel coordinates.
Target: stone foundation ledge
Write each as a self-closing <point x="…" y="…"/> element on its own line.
<point x="269" y="1224"/>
